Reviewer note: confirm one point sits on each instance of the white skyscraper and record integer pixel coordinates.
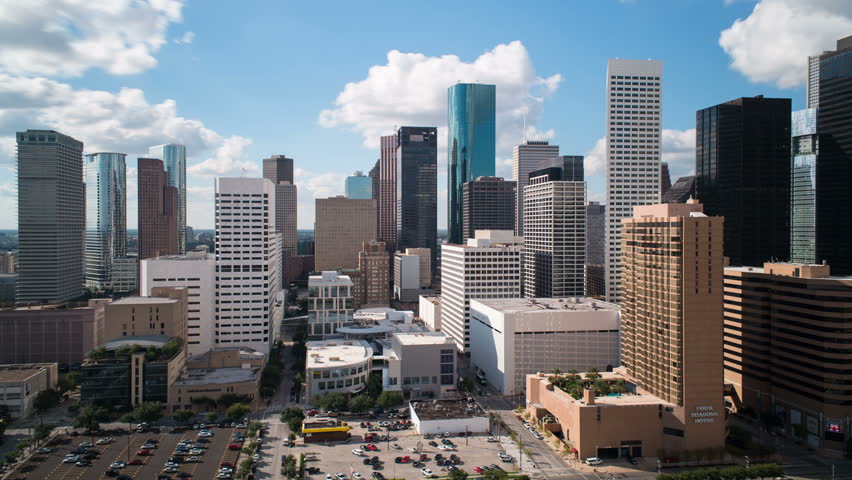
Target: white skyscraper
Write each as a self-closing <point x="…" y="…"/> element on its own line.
<point x="248" y="261"/>
<point x="526" y="158"/>
<point x="634" y="116"/>
<point x="488" y="266"/>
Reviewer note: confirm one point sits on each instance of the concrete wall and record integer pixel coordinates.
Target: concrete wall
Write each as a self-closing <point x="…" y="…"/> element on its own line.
<point x="452" y="425"/>
<point x="430" y="313"/>
<point x="39" y="335"/>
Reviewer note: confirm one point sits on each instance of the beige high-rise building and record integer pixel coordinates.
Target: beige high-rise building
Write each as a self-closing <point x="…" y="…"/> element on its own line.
<point x="7" y="262"/>
<point x="342" y="226"/>
<point x="163" y="313"/>
<point x="374" y="264"/>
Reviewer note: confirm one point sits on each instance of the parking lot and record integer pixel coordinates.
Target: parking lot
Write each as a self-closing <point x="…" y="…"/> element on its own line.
<point x="124" y="448"/>
<point x="474" y="451"/>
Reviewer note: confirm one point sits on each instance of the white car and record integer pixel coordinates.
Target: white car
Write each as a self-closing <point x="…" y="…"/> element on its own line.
<point x="491" y="439"/>
<point x="358" y="452"/>
<point x="117" y="465"/>
<point x="241" y="425"/>
<point x="196" y="451"/>
<point x="446" y="448"/>
<point x="357" y="476"/>
<point x="328" y="476"/>
<point x="256" y="457"/>
<point x="340" y="476"/>
<point x="86" y="445"/>
<point x="205" y="433"/>
<point x="428" y="473"/>
<point x="396" y="446"/>
<point x="104" y="441"/>
<point x="170" y="469"/>
<point x="45" y="450"/>
<point x="223" y="475"/>
<point x="70" y="459"/>
<point x="594" y="461"/>
<point x="193" y="459"/>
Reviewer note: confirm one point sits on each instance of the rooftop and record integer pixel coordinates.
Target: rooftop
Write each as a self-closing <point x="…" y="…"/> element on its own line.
<point x="157" y="341"/>
<point x="808" y="271"/>
<point x="21" y="371"/>
<point x="639" y="398"/>
<point x="218" y="376"/>
<point x="522" y="305"/>
<point x="441" y="409"/>
<point x="337" y="353"/>
<point x="434" y="300"/>
<point x="426" y="338"/>
<point x="143" y="301"/>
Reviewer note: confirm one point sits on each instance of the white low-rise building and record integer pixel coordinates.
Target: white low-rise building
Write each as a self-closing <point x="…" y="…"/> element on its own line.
<point x="337" y="366"/>
<point x="453" y="416"/>
<point x="513" y="337"/>
<point x="420" y="365"/>
<point x="430" y="311"/>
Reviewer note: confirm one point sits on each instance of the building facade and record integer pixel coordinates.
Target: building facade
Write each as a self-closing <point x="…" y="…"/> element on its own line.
<point x="420" y="365"/>
<point x="595" y="260"/>
<point x="329" y="303"/>
<point x="665" y="178"/>
<point x="471" y="144"/>
<point x="20" y="384"/>
<point x="488" y="266"/>
<point x="742" y="172"/>
<point x="488" y="203"/>
<point x="106" y="216"/>
<point x="125" y="273"/>
<point x="406" y="277"/>
<point x="555" y="234"/>
<point x="51" y="217"/>
<point x="174" y="162"/>
<point x="526" y="158"/>
<point x="430" y="311"/>
<point x="682" y="190"/>
<point x="374" y="264"/>
<point x="342" y="226"/>
<point x="163" y="313"/>
<point x="417" y="188"/>
<point x="359" y="186"/>
<point x="158" y="210"/>
<point x="278" y="169"/>
<point x="248" y="264"/>
<point x="386" y="220"/>
<point x="337" y="366"/>
<point x="513" y="338"/>
<point x="805" y="149"/>
<point x="60" y="333"/>
<point x="7" y="262"/>
<point x="785" y="357"/>
<point x="633" y="129"/>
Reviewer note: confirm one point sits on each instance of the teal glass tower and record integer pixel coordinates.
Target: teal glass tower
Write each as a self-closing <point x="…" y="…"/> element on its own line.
<point x="174" y="161"/>
<point x="106" y="215"/>
<point x="359" y="186"/>
<point x="471" y="144"/>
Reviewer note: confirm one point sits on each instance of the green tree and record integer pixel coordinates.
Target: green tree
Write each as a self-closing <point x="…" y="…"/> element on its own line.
<point x="11" y="456"/>
<point x="592" y="374"/>
<point x="293" y="417"/>
<point x="237" y="411"/>
<point x="3" y="426"/>
<point x="211" y="417"/>
<point x="332" y="401"/>
<point x="183" y="416"/>
<point x="288" y="469"/>
<point x="457" y="474"/>
<point x="229" y="399"/>
<point x="389" y="399"/>
<point x="360" y="404"/>
<point x="69" y="382"/>
<point x="495" y="475"/>
<point x="244" y="468"/>
<point x="374" y="385"/>
<point x="467" y="385"/>
<point x="90" y="417"/>
<point x="42" y="431"/>
<point x="5" y="414"/>
<point x="45" y="400"/>
<point x="148" y="412"/>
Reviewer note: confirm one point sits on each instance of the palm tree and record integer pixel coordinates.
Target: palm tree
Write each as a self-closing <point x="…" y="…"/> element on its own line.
<point x="572" y="375"/>
<point x="592" y="374"/>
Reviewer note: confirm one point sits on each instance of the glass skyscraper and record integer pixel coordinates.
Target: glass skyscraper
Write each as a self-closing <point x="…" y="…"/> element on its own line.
<point x="106" y="215"/>
<point x="359" y="186"/>
<point x="174" y="161"/>
<point x="805" y="148"/>
<point x="470" y="145"/>
<point x="417" y="189"/>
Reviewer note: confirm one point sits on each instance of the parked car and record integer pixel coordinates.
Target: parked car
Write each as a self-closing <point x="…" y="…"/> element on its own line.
<point x="358" y="452"/>
<point x="427" y="473"/>
<point x="594" y="461"/>
<point x="491" y="439"/>
<point x="396" y="446"/>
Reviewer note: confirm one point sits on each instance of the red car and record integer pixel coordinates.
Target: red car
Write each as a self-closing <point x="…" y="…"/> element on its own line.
<point x="370" y="447"/>
<point x="144" y="452"/>
<point x="424" y="457"/>
<point x="226" y="464"/>
<point x="478" y="469"/>
<point x="311" y="412"/>
<point x="234" y="446"/>
<point x="135" y="461"/>
<point x="406" y="459"/>
<point x="369" y="437"/>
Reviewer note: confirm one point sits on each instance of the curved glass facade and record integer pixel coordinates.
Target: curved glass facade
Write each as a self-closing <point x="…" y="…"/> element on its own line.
<point x="174" y="161"/>
<point x="805" y="146"/>
<point x="106" y="215"/>
<point x="470" y="144"/>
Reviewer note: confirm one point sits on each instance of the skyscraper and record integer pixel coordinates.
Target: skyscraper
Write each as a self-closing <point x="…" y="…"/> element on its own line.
<point x="387" y="193"/>
<point x="634" y="115"/>
<point x="680" y="192"/>
<point x="158" y="208"/>
<point x="805" y="148"/>
<point x="51" y="217"/>
<point x="471" y="144"/>
<point x="278" y="169"/>
<point x="106" y="215"/>
<point x="417" y="188"/>
<point x="488" y="203"/>
<point x="359" y="186"/>
<point x="554" y="253"/>
<point x="671" y="315"/>
<point x="248" y="260"/>
<point x="742" y="173"/>
<point x="374" y="265"/>
<point x="595" y="271"/>
<point x="665" y="178"/>
<point x="526" y="158"/>
<point x="342" y="226"/>
<point x="174" y="161"/>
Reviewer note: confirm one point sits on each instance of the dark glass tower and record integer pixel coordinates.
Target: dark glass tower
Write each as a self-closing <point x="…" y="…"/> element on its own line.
<point x="417" y="188"/>
<point x="470" y="145"/>
<point x="488" y="204"/>
<point x="742" y="173"/>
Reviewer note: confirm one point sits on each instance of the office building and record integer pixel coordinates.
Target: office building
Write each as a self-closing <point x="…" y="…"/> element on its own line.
<point x="406" y="277"/>
<point x="195" y="271"/>
<point x="633" y="129"/>
<point x="667" y="396"/>
<point x="337" y="366"/>
<point x="420" y="365"/>
<point x="488" y="266"/>
<point x="329" y="303"/>
<point x="106" y="216"/>
<point x="430" y="311"/>
<point x="125" y="273"/>
<point x="163" y="313"/>
<point x="359" y="186"/>
<point x="805" y="149"/>
<point x="417" y="188"/>
<point x="7" y="262"/>
<point x="7" y="288"/>
<point x="832" y="59"/>
<point x="158" y="210"/>
<point x="386" y="219"/>
<point x="174" y="162"/>
<point x="278" y="169"/>
<point x="20" y="385"/>
<point x="374" y="265"/>
<point x="488" y="203"/>
<point x="248" y="264"/>
<point x="51" y="217"/>
<point x="784" y="357"/>
<point x="665" y="178"/>
<point x="342" y="226"/>
<point x="221" y="372"/>
<point x="526" y="158"/>
<point x="471" y="144"/>
<point x="60" y="333"/>
<point x="555" y="233"/>
<point x="514" y="337"/>
<point x="742" y="173"/>
<point x="682" y="190"/>
<point x="834" y="159"/>
<point x="595" y="269"/>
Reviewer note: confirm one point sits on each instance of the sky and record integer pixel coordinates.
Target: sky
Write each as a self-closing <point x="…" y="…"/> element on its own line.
<point x="320" y="81"/>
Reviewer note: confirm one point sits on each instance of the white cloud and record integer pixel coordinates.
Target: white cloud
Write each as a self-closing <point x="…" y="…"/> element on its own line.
<point x="773" y="43"/>
<point x="678" y="149"/>
<point x="68" y="37"/>
<point x="411" y="89"/>
<point x="595" y="161"/>
<point x="225" y="162"/>
<point x="313" y="185"/>
<point x="185" y="39"/>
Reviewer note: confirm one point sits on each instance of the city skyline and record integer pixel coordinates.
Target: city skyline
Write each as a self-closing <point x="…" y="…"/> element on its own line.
<point x="548" y="84"/>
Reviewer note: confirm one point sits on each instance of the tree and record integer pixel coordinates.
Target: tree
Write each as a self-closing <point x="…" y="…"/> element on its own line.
<point x="90" y="417"/>
<point x="147" y="412"/>
<point x="11" y="456"/>
<point x="45" y="400"/>
<point x="457" y="474"/>
<point x="592" y="374"/>
<point x="495" y="475"/>
<point x="374" y="385"/>
<point x="360" y="404"/>
<point x="467" y="385"/>
<point x="42" y="431"/>
<point x="389" y="399"/>
<point x="211" y="417"/>
<point x="69" y="382"/>
<point x="3" y="426"/>
<point x="237" y="411"/>
<point x="288" y="469"/>
<point x="5" y="414"/>
<point x="244" y="468"/>
<point x="229" y="399"/>
<point x="293" y="417"/>
<point x="183" y="416"/>
<point x="332" y="401"/>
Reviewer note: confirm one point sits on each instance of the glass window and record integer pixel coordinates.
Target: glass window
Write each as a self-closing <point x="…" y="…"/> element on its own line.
<point x="424" y="380"/>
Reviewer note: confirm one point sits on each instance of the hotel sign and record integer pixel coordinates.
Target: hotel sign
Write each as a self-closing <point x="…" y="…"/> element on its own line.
<point x="704" y="414"/>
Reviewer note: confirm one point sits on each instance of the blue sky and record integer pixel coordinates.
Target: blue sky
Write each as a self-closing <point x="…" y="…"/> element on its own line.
<point x="319" y="81"/>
